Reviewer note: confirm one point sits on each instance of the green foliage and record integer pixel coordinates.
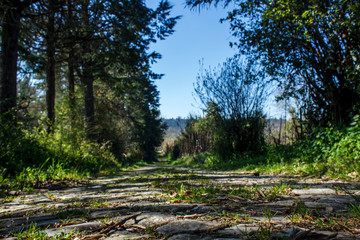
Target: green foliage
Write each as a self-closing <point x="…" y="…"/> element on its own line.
<point x="207" y="160"/>
<point x="331" y="151"/>
<point x="345" y="153"/>
<point x="311" y="48"/>
<point x="355" y="208"/>
<point x="181" y="192"/>
<point x="32" y="156"/>
<point x="35" y="232"/>
<point x="83" y="154"/>
<point x="192" y="160"/>
<point x="233" y="97"/>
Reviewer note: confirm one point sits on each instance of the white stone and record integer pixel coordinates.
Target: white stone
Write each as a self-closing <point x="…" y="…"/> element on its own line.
<point x="314" y="191"/>
<point x="240" y="229"/>
<point x="68" y="229"/>
<point x="187" y="226"/>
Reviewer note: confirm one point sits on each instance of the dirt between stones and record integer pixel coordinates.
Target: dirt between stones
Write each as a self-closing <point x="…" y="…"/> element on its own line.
<point x="165" y="202"/>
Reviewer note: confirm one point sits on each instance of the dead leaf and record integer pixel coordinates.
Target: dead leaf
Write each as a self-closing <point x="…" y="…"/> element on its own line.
<point x="138" y="226"/>
<point x="192" y="216"/>
<point x="214" y="218"/>
<point x="188" y="193"/>
<point x="172" y="193"/>
<point x="237" y="198"/>
<point x="261" y="193"/>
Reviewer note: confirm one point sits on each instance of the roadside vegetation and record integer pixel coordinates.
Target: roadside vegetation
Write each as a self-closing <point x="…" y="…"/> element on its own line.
<point x="331" y="151"/>
<point x="304" y="53"/>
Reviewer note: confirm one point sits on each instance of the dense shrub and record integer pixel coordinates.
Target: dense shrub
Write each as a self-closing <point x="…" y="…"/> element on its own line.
<point x="233" y="97"/>
<point x="23" y="150"/>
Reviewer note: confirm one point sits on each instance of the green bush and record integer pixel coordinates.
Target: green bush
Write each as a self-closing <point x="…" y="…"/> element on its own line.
<point x="29" y="156"/>
<point x="344" y="154"/>
<point x="332" y="151"/>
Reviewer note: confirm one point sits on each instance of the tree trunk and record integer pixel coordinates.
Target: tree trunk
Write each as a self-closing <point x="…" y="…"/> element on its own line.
<point x="8" y="59"/>
<point x="71" y="79"/>
<point x="88" y="80"/>
<point x="50" y="68"/>
<point x="71" y="66"/>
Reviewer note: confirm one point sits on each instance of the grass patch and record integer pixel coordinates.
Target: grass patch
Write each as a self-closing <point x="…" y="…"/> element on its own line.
<point x="190" y="191"/>
<point x="72" y="213"/>
<point x="274" y="160"/>
<point x="255" y="192"/>
<point x="35" y="232"/>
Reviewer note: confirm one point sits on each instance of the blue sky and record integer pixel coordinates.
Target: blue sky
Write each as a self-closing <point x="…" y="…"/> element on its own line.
<point x="199" y="35"/>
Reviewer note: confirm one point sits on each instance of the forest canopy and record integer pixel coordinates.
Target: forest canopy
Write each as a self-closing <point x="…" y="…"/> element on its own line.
<point x="77" y="73"/>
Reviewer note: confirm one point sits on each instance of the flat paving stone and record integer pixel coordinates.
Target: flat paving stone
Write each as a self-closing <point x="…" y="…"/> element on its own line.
<point x="282" y="203"/>
<point x="102" y="214"/>
<point x="189" y="237"/>
<point x="12" y="222"/>
<point x="139" y="204"/>
<point x="154" y="219"/>
<point x="322" y="205"/>
<point x="240" y="229"/>
<point x="346" y="236"/>
<point x="20" y="211"/>
<point x="187" y="226"/>
<point x="314" y="191"/>
<point x="273" y="219"/>
<point x="122" y="235"/>
<point x="51" y="232"/>
<point x="337" y="199"/>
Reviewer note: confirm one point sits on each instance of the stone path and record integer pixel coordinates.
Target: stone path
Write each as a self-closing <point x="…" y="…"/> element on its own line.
<point x="164" y="202"/>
